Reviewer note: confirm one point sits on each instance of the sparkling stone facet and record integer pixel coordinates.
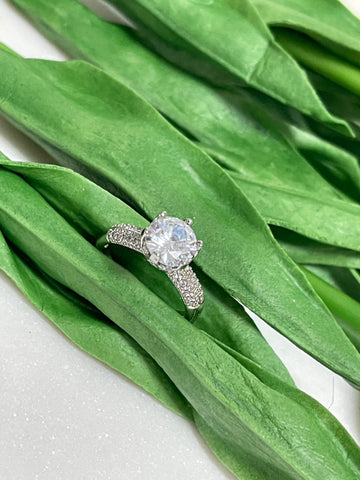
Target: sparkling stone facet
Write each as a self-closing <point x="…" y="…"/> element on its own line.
<point x="170" y="242"/>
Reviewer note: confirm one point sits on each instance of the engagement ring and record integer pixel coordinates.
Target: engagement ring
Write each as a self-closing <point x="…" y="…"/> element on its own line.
<point x="169" y="244"/>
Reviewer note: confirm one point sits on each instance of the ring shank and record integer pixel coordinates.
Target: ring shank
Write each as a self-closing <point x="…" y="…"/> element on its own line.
<point x="126" y="235"/>
<point x="184" y="279"/>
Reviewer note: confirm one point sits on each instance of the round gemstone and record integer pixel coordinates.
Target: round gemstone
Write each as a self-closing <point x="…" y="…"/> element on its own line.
<point x="170" y="243"/>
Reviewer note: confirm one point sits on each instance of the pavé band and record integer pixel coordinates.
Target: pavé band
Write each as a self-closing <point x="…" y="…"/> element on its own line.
<point x="170" y="245"/>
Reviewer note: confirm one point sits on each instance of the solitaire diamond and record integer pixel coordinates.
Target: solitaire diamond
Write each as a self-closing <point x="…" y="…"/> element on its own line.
<point x="169" y="242"/>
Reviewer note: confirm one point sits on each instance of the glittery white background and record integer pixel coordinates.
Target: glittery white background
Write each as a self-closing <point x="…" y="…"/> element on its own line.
<point x="64" y="415"/>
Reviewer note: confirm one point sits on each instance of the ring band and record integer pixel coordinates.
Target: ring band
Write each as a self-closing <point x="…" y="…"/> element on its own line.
<point x="169" y="244"/>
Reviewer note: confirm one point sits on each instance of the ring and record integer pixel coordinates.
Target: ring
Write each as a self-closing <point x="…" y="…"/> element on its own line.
<point x="169" y="244"/>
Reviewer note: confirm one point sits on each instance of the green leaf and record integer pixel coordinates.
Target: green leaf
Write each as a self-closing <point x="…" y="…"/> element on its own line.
<point x="344" y="307"/>
<point x="99" y="127"/>
<point x="318" y="58"/>
<point x="327" y="21"/>
<point x="235" y="123"/>
<point x="286" y="170"/>
<point x="292" y="203"/>
<point x="330" y="221"/>
<point x="343" y="103"/>
<point x="337" y="165"/>
<point x="344" y="279"/>
<point x="303" y="250"/>
<point x="264" y="425"/>
<point x="225" y="450"/>
<point x="89" y="329"/>
<point x="338" y="99"/>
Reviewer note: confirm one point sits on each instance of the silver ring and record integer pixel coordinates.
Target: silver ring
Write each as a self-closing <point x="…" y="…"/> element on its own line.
<point x="169" y="244"/>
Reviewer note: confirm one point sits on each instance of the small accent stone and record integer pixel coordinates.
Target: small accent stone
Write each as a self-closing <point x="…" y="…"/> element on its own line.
<point x="126" y="235"/>
<point x="188" y="285"/>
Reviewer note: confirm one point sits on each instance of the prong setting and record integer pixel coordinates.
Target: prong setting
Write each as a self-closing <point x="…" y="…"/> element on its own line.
<point x="188" y="221"/>
<point x="199" y="244"/>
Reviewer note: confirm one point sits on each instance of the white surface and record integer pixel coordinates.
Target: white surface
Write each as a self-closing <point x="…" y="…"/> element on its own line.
<point x="64" y="415"/>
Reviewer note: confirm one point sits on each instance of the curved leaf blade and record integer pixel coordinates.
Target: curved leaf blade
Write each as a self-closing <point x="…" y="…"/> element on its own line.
<point x="303" y="250"/>
<point x="334" y="222"/>
<point x="338" y="166"/>
<point x="344" y="279"/>
<point x="341" y="304"/>
<point x="328" y="21"/>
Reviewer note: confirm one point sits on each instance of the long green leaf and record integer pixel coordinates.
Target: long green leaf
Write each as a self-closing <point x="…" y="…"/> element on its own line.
<point x="293" y="204"/>
<point x="234" y="123"/>
<point x="273" y="382"/>
<point x="349" y="144"/>
<point x="344" y="307"/>
<point x="334" y="222"/>
<point x="328" y="21"/>
<point x="318" y="58"/>
<point x="303" y="250"/>
<point x="263" y="425"/>
<point x="91" y="210"/>
<point x="344" y="279"/>
<point x="90" y="330"/>
<point x="98" y="126"/>
<point x="338" y="99"/>
<point x="343" y="103"/>
<point x="337" y="165"/>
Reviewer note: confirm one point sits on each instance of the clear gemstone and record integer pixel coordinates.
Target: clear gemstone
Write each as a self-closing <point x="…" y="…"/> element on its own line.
<point x="170" y="242"/>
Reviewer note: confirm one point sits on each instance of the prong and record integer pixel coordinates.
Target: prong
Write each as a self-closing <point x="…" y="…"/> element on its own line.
<point x="199" y="244"/>
<point x="188" y="221"/>
<point x="162" y="214"/>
